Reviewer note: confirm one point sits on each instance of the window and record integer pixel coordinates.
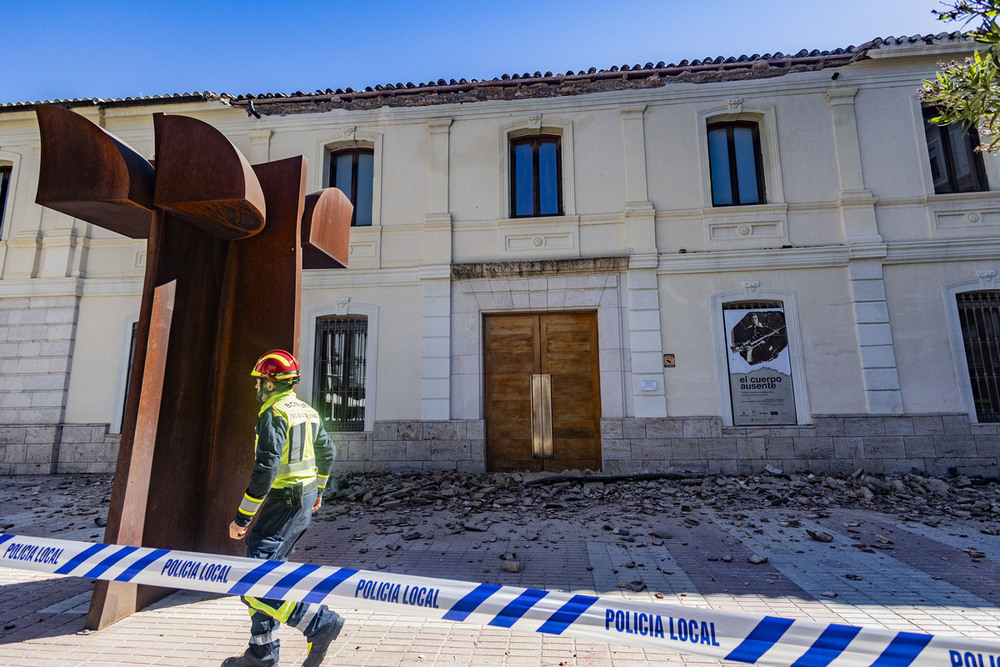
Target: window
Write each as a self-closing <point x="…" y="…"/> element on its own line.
<point x="737" y="169"/>
<point x="535" y="176"/>
<point x="5" y="172"/>
<point x="979" y="316"/>
<point x="339" y="388"/>
<point x="352" y="172"/>
<point x="955" y="164"/>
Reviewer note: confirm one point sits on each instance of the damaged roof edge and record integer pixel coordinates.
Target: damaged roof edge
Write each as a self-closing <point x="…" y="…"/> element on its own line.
<point x="541" y="85"/>
<point x="528" y="85"/>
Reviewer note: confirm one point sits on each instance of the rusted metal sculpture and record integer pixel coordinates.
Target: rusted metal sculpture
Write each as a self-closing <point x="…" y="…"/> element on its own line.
<point x="224" y="262"/>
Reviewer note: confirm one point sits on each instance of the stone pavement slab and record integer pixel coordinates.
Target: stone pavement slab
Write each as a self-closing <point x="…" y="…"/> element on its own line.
<point x="877" y="569"/>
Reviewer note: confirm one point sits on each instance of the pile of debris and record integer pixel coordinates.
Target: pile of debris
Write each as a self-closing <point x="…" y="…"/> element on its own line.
<point x="914" y="496"/>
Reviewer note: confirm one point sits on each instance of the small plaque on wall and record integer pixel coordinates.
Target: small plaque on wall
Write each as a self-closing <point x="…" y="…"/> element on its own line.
<point x="668" y="361"/>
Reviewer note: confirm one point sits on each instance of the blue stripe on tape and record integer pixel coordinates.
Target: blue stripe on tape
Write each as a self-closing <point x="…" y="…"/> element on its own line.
<point x="140" y="565"/>
<point x="902" y="650"/>
<point x="828" y="646"/>
<point x="289" y="580"/>
<point x="761" y="638"/>
<point x="74" y="562"/>
<point x="253" y="576"/>
<point x="568" y="613"/>
<point x="4" y="538"/>
<point x="461" y="609"/>
<point x="108" y="561"/>
<point x="323" y="588"/>
<point x="517" y="608"/>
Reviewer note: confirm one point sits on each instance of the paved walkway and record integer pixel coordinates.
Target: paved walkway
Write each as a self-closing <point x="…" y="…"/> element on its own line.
<point x="876" y="570"/>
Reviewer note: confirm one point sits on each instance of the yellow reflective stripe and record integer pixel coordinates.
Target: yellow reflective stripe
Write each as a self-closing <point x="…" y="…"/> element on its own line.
<point x="249" y="505"/>
<point x="278" y="613"/>
<point x="322" y="480"/>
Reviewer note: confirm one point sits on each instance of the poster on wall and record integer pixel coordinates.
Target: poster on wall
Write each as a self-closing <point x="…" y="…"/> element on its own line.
<point x="760" y="373"/>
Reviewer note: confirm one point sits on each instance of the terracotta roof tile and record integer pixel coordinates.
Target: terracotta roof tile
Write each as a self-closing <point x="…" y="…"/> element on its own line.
<point x="509" y="86"/>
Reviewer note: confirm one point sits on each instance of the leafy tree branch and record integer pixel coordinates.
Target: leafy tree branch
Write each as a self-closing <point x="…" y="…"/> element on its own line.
<point x="969" y="92"/>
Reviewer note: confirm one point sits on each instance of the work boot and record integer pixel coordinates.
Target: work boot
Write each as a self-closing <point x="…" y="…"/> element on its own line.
<point x="320" y="642"/>
<point x="247" y="660"/>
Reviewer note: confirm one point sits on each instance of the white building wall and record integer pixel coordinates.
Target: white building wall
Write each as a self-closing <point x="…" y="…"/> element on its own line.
<point x="851" y="231"/>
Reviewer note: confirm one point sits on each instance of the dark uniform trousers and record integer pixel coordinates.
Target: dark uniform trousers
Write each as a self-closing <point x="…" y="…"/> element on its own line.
<point x="281" y="521"/>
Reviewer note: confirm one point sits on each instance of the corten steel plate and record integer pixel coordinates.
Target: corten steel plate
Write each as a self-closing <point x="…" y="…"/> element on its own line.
<point x="203" y="178"/>
<point x="114" y="600"/>
<point x="89" y="174"/>
<point x="260" y="311"/>
<point x="326" y="230"/>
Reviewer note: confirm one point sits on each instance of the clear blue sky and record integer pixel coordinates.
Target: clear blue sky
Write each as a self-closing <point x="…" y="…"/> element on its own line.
<point x="64" y="49"/>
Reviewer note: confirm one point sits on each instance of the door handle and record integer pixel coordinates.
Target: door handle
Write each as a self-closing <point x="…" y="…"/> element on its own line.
<point x="541" y="416"/>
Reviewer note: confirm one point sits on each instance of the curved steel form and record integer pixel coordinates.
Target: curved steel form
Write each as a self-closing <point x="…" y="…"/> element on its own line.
<point x="325" y="244"/>
<point x="202" y="178"/>
<point x="89" y="174"/>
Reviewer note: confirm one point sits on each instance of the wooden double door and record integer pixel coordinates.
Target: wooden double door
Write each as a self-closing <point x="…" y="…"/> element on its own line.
<point x="542" y="392"/>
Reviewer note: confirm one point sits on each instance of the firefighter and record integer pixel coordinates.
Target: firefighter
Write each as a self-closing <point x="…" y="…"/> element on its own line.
<point x="294" y="457"/>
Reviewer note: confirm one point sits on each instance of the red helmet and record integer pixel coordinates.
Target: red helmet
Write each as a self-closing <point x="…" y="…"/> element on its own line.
<point x="277" y="366"/>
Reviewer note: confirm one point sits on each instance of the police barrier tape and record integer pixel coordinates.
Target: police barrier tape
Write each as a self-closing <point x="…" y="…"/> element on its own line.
<point x="763" y="640"/>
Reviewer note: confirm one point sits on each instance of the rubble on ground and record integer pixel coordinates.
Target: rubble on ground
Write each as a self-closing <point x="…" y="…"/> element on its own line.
<point x="912" y="496"/>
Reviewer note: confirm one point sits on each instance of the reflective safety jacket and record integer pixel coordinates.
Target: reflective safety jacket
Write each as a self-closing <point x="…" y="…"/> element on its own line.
<point x="292" y="448"/>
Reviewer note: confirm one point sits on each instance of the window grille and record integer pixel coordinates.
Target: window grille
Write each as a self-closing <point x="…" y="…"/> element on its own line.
<point x="339" y="389"/>
<point x="979" y="315"/>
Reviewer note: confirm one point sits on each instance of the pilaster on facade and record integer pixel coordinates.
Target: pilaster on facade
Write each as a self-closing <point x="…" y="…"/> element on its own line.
<point x="640" y="228"/>
<point x="634" y="145"/>
<point x="878" y="358"/>
<point x="645" y="337"/>
<point x="640" y="215"/>
<point x="62" y="253"/>
<point x="22" y="255"/>
<point x="857" y="205"/>
<point x="260" y="146"/>
<point x="867" y="253"/>
<point x="439" y="130"/>
<point x="435" y="348"/>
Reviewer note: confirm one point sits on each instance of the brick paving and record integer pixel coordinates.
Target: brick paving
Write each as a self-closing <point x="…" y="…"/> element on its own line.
<point x="877" y="569"/>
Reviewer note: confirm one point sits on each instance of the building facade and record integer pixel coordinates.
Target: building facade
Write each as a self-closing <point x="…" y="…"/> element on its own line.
<point x="715" y="265"/>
